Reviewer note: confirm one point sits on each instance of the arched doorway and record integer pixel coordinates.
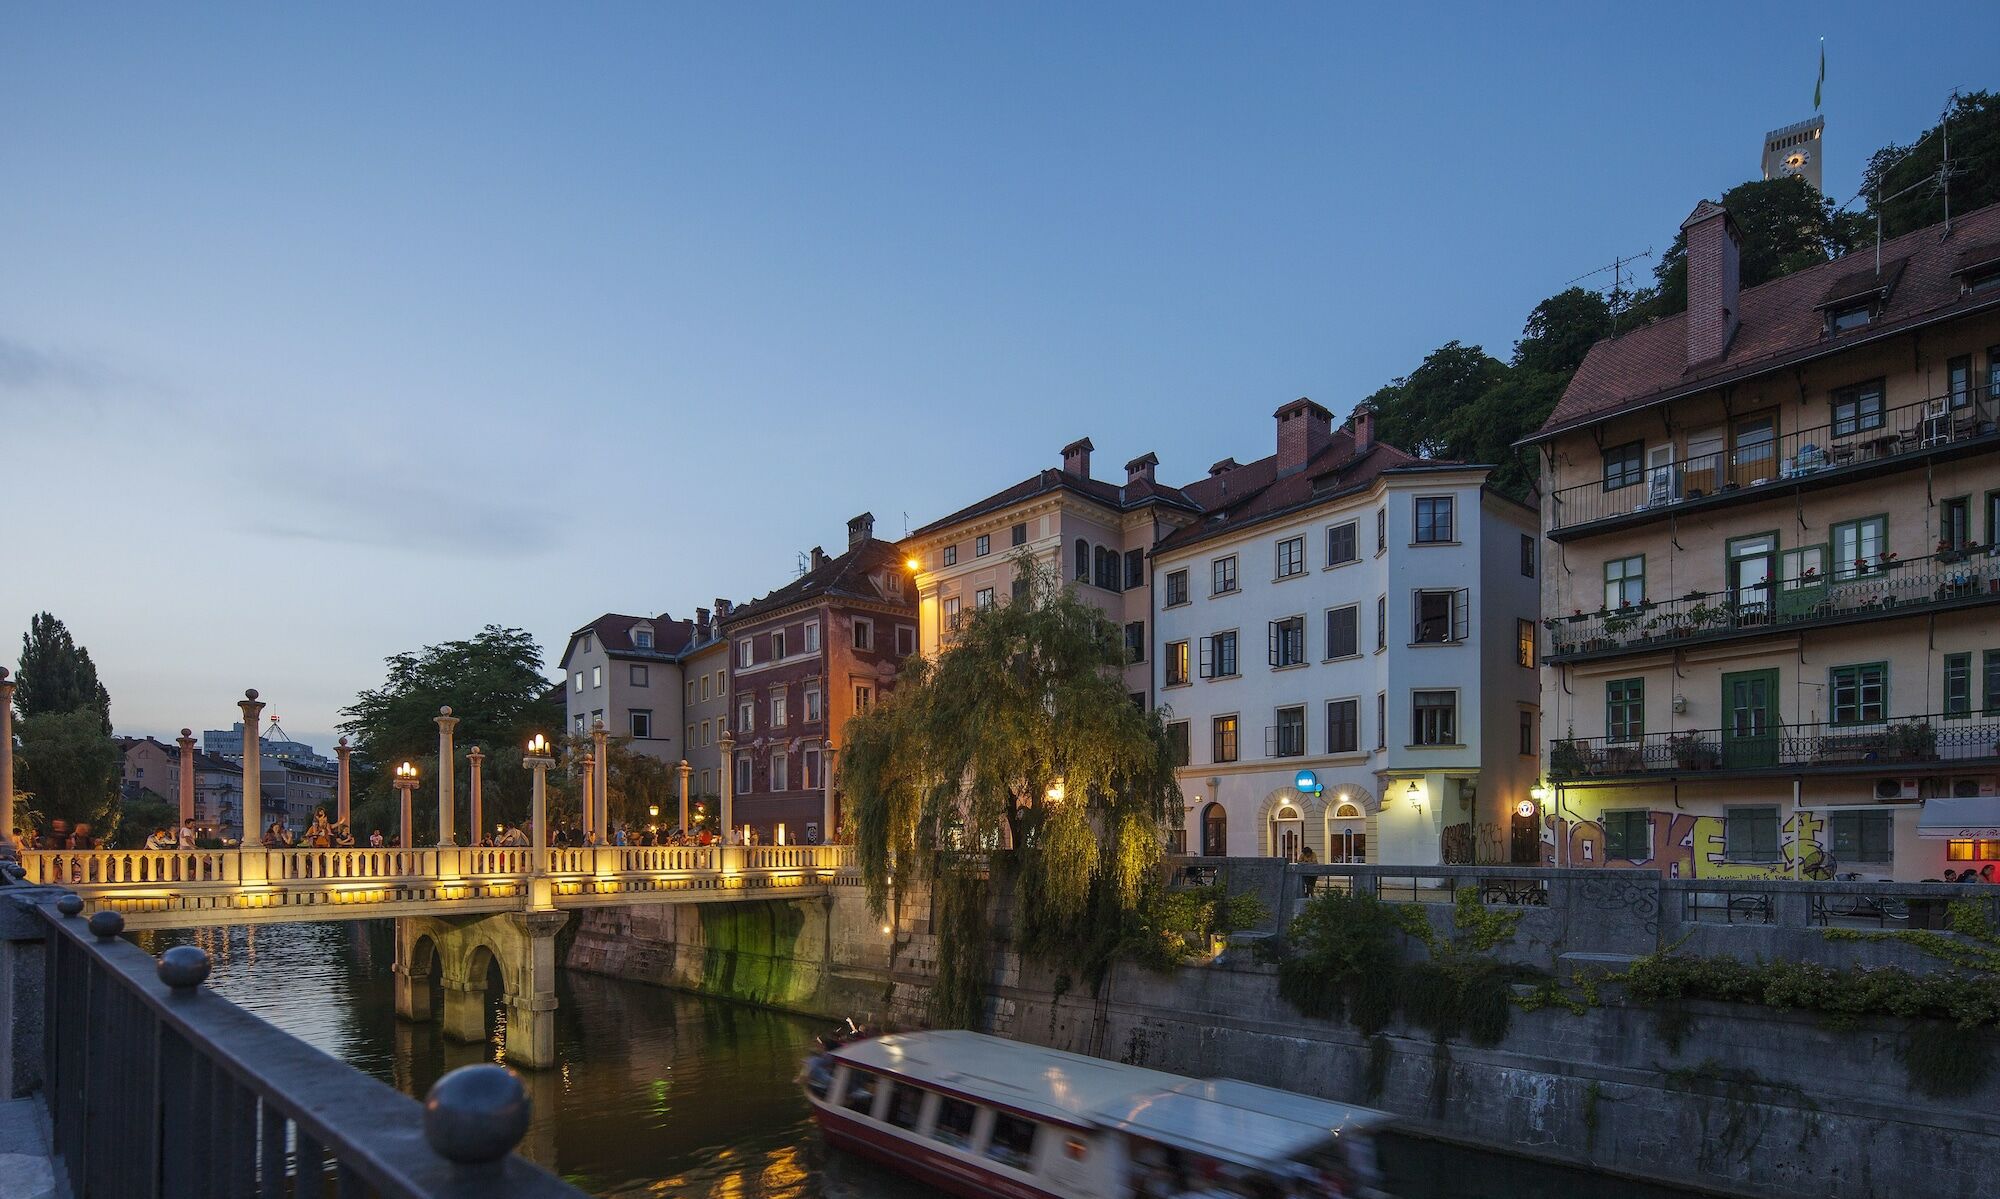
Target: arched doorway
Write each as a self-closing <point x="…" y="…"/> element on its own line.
<point x="1347" y="834"/>
<point x="1288" y="833"/>
<point x="1214" y="831"/>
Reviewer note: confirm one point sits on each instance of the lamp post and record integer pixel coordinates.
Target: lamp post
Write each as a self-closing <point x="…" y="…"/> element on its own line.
<point x="829" y="812"/>
<point x="476" y="757"/>
<point x="447" y="780"/>
<point x="589" y="812"/>
<point x="685" y="771"/>
<point x="405" y="782"/>
<point x="7" y="847"/>
<point x="537" y="759"/>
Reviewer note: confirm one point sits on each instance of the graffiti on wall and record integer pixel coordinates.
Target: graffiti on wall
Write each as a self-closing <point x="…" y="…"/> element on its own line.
<point x="1684" y="846"/>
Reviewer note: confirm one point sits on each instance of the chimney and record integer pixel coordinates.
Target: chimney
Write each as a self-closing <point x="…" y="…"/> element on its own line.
<point x="1140" y="469"/>
<point x="860" y="529"/>
<point x="1713" y="279"/>
<point x="701" y="624"/>
<point x="1076" y="457"/>
<point x="1364" y="431"/>
<point x="1304" y="429"/>
<point x="722" y="607"/>
<point x="1222" y="467"/>
<point x="819" y="557"/>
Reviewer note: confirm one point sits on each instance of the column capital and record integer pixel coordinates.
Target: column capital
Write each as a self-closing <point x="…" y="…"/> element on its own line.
<point x="446" y="722"/>
<point x="250" y="705"/>
<point x="475" y="753"/>
<point x="185" y="741"/>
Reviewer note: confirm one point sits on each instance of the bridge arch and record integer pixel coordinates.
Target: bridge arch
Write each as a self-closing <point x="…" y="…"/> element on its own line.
<point x="465" y="949"/>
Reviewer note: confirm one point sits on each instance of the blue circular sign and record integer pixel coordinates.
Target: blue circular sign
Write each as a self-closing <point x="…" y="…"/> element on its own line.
<point x="1307" y="782"/>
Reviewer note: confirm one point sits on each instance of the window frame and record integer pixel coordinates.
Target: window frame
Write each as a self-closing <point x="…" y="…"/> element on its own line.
<point x="1353" y="539"/>
<point x="637" y="675"/>
<point x="1624" y="581"/>
<point x="1333" y="726"/>
<point x="1018" y="533"/>
<point x="1860" y="527"/>
<point x="1628" y="821"/>
<point x="951" y="555"/>
<point x="1857" y="408"/>
<point x="632" y="720"/>
<point x="1733" y="852"/>
<point x="1174" y="665"/>
<point x="1852" y="675"/>
<point x="1450" y="509"/>
<point x="1870" y="837"/>
<point x="1630" y="464"/>
<point x="1283" y="717"/>
<point x="1218" y="568"/>
<point x="1216" y="734"/>
<point x="1354" y="631"/>
<point x="1289" y="551"/>
<point x="1957" y="677"/>
<point x="1529" y="554"/>
<point x="1625" y="710"/>
<point x="982" y="545"/>
<point x="1286" y="642"/>
<point x="863" y="634"/>
<point x="1177" y="584"/>
<point x="1435" y="732"/>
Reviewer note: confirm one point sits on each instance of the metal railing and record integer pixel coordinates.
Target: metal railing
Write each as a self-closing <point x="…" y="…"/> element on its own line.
<point x="1865" y="439"/>
<point x="1872" y="588"/>
<point x="1928" y="740"/>
<point x="158" y="1091"/>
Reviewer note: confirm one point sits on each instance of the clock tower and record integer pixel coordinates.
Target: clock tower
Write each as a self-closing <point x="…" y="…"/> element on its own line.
<point x="1795" y="150"/>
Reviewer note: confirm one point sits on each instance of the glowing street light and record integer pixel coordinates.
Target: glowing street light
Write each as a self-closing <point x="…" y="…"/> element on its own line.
<point x="1415" y="794"/>
<point x="405" y="781"/>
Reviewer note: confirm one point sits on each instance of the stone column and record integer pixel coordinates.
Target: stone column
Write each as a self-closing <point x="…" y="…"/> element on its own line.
<point x="413" y="1000"/>
<point x="830" y="818"/>
<point x="406" y="786"/>
<point x="465" y="1009"/>
<point x="7" y="847"/>
<point x="541" y="896"/>
<point x="476" y="757"/>
<point x="531" y="1011"/>
<point x="597" y="736"/>
<point x="589" y="796"/>
<point x="345" y="777"/>
<point x="685" y="770"/>
<point x="726" y="815"/>
<point x="186" y="742"/>
<point x="447" y="778"/>
<point x="252" y="847"/>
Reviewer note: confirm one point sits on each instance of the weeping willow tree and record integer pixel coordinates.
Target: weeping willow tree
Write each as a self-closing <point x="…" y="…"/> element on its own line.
<point x="1016" y="754"/>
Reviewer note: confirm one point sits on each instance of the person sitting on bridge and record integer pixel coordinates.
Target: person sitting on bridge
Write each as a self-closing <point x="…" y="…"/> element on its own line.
<point x="513" y="838"/>
<point x="319" y="834"/>
<point x="277" y="836"/>
<point x="375" y="839"/>
<point x="343" y="836"/>
<point x="159" y="839"/>
<point x="82" y="838"/>
<point x="58" y="835"/>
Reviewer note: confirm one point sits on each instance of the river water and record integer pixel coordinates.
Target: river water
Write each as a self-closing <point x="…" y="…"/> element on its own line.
<point x="664" y="1094"/>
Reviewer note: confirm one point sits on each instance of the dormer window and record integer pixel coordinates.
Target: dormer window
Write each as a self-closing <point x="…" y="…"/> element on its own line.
<point x="642" y="637"/>
<point x="586" y="643"/>
<point x="1852" y="316"/>
<point x="1988" y="281"/>
<point x="895" y="582"/>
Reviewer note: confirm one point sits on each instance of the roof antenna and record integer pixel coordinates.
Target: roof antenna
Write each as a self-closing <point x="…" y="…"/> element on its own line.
<point x="1617" y="299"/>
<point x="799" y="567"/>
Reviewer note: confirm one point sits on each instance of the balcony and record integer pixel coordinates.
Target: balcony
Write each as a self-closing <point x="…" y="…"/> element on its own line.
<point x="1866" y="443"/>
<point x="1872" y="589"/>
<point x="1906" y="744"/>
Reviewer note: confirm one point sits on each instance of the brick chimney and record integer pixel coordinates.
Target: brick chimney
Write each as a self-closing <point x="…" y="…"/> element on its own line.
<point x="722" y="608"/>
<point x="1140" y="469"/>
<point x="1713" y="280"/>
<point x="1364" y="431"/>
<point x="860" y="529"/>
<point x="701" y="624"/>
<point x="818" y="557"/>
<point x="1304" y="429"/>
<point x="1076" y="457"/>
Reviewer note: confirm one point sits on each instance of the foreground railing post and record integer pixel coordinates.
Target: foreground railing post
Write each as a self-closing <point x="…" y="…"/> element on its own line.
<point x="7" y="847"/>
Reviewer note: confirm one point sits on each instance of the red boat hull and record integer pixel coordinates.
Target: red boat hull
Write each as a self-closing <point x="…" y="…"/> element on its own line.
<point x="950" y="1174"/>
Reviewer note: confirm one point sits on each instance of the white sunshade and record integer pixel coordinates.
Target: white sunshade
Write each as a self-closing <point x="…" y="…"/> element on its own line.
<point x="1974" y="819"/>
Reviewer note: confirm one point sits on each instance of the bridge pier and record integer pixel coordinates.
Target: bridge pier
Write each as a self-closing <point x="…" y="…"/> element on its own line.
<point x="466" y="949"/>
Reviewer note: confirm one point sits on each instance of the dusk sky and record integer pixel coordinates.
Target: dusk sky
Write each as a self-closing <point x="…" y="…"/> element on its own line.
<point x="329" y="331"/>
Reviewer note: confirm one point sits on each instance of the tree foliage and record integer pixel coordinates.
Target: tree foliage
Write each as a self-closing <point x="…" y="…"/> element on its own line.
<point x="1905" y="177"/>
<point x="57" y="674"/>
<point x="493" y="683"/>
<point x="1018" y="739"/>
<point x="70" y="765"/>
<point x="1787" y="225"/>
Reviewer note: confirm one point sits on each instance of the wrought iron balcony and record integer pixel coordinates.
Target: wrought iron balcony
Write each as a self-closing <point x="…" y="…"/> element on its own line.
<point x="1867" y="590"/>
<point x="1929" y="743"/>
<point x="1865" y="441"/>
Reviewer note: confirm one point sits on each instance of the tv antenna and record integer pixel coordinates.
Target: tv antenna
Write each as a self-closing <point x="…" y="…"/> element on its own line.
<point x="1618" y="296"/>
<point x="801" y="565"/>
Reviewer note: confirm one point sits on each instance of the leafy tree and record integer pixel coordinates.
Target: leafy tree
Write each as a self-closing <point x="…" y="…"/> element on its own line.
<point x="71" y="765"/>
<point x="1786" y="224"/>
<point x="1017" y="739"/>
<point x="1906" y="176"/>
<point x="57" y="674"/>
<point x="493" y="683"/>
<point x="139" y="814"/>
<point x="1561" y="330"/>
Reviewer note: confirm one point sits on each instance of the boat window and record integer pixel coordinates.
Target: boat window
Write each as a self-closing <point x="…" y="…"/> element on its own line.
<point x="861" y="1088"/>
<point x="1013" y="1141"/>
<point x="906" y="1106"/>
<point x="819" y="1075"/>
<point x="954" y="1123"/>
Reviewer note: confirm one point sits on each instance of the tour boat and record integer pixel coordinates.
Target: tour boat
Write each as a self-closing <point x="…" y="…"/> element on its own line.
<point x="988" y="1118"/>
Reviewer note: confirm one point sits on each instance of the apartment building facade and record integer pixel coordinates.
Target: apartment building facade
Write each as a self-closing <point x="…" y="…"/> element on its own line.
<point x="153" y="766"/>
<point x="803" y="660"/>
<point x="1344" y="651"/>
<point x="704" y="675"/>
<point x="1772" y="608"/>
<point x="626" y="671"/>
<point x="1090" y="533"/>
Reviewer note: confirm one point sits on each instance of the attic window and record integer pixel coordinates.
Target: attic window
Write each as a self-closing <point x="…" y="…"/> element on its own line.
<point x="1988" y="280"/>
<point x="1849" y="316"/>
<point x="643" y="638"/>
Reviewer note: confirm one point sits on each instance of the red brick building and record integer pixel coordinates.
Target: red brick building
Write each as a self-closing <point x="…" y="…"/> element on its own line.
<point x="802" y="660"/>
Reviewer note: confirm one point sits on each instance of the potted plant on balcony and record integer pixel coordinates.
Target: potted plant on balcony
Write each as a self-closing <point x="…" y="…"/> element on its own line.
<point x="1948" y="553"/>
<point x="1690" y="752"/>
<point x="1568" y="758"/>
<point x="1912" y="740"/>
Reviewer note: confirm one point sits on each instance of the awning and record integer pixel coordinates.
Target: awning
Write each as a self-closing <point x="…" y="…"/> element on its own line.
<point x="1961" y="819"/>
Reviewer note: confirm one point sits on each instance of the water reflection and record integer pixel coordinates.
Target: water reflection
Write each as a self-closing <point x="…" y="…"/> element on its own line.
<point x="662" y="1094"/>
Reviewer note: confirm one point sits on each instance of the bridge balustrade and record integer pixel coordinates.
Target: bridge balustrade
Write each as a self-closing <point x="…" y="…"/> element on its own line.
<point x="68" y="867"/>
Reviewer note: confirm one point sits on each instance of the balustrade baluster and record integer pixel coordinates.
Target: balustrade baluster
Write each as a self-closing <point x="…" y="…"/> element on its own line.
<point x="271" y="1158"/>
<point x="309" y="1177"/>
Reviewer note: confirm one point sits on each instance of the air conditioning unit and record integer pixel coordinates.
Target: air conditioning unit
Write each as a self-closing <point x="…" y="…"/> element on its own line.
<point x="1968" y="788"/>
<point x="1897" y="789"/>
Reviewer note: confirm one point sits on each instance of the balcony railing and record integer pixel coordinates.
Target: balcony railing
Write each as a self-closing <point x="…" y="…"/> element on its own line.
<point x="1934" y="741"/>
<point x="1819" y="454"/>
<point x="1869" y="589"/>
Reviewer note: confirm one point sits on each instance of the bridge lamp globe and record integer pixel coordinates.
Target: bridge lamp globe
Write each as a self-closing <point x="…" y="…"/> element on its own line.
<point x="1415" y="794"/>
<point x="653" y="810"/>
<point x="538" y="746"/>
<point x="1057" y="791"/>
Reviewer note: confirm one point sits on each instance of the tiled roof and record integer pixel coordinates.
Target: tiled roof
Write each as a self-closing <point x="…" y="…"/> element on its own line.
<point x="1781" y="322"/>
<point x="851" y="575"/>
<point x="1111" y="495"/>
<point x="614" y="633"/>
<point x="1253" y="492"/>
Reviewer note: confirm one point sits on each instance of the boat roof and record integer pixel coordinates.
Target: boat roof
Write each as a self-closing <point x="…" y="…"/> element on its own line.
<point x="1236" y="1121"/>
<point x="1064" y="1087"/>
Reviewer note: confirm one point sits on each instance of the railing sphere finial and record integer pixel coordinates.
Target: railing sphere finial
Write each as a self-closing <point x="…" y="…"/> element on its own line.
<point x="476" y="1114"/>
<point x="70" y="904"/>
<point x="184" y="967"/>
<point x="106" y="924"/>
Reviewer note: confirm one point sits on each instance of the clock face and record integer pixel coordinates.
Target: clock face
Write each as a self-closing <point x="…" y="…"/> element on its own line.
<point x="1797" y="159"/>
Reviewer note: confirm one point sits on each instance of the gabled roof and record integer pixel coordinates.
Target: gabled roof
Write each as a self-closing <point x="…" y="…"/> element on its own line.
<point x="1782" y="322"/>
<point x="1112" y="496"/>
<point x="1252" y="493"/>
<point x="614" y="632"/>
<point x="850" y="576"/>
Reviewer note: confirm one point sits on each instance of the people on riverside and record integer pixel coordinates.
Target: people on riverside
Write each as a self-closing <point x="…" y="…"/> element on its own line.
<point x="375" y="839"/>
<point x="82" y="838"/>
<point x="319" y="834"/>
<point x="186" y="835"/>
<point x="159" y="839"/>
<point x="58" y="835"/>
<point x="513" y="838"/>
<point x="619" y="837"/>
<point x="343" y="836"/>
<point x="703" y="839"/>
<point x="277" y="836"/>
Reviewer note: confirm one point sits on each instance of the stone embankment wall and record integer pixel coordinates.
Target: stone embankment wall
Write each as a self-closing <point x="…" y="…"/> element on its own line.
<point x="1749" y="1101"/>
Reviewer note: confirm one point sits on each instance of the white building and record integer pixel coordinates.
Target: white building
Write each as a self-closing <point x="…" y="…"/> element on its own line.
<point x="1349" y="615"/>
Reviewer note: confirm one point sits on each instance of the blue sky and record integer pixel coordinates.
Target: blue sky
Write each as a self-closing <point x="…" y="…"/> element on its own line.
<point x="329" y="331"/>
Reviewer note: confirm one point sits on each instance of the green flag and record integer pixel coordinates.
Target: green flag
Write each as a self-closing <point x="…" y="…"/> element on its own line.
<point x="1822" y="74"/>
